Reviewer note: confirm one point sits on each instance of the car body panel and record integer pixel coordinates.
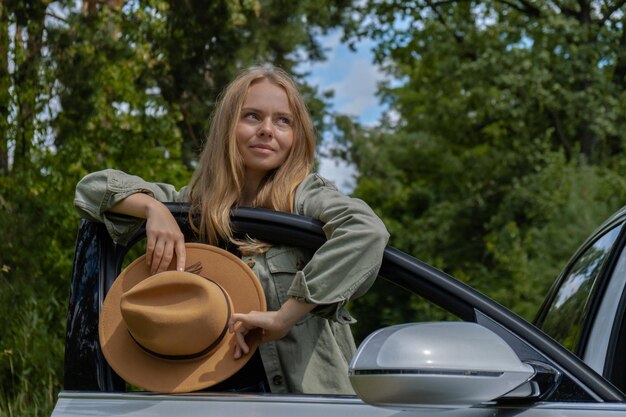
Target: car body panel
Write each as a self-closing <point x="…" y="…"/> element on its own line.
<point x="87" y="404"/>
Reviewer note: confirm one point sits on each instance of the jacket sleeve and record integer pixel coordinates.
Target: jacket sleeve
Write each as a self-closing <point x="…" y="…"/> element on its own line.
<point x="347" y="264"/>
<point x="97" y="192"/>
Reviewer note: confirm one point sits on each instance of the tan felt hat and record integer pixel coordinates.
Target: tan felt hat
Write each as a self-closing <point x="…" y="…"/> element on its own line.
<point x="169" y="332"/>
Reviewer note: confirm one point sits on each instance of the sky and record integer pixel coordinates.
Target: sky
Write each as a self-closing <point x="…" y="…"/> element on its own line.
<point x="353" y="78"/>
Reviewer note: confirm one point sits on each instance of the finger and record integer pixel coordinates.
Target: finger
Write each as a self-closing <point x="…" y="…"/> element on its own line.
<point x="150" y="244"/>
<point x="166" y="260"/>
<point x="241" y="341"/>
<point x="157" y="255"/>
<point x="180" y="255"/>
<point x="237" y="353"/>
<point x="235" y="322"/>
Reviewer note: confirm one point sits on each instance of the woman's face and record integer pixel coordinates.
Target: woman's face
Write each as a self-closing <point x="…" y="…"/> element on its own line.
<point x="265" y="129"/>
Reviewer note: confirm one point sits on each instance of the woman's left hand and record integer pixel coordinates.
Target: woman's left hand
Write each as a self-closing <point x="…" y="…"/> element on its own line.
<point x="273" y="324"/>
<point x="268" y="322"/>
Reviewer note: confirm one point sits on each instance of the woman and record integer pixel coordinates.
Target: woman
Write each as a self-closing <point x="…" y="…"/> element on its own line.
<point x="260" y="153"/>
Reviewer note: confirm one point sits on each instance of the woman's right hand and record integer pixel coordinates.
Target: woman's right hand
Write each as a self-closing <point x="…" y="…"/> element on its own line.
<point x="164" y="239"/>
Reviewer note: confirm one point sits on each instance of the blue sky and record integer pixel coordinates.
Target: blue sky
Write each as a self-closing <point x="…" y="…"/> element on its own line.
<point x="353" y="78"/>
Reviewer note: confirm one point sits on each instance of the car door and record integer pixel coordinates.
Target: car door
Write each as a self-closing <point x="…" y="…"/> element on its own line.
<point x="585" y="309"/>
<point x="575" y="388"/>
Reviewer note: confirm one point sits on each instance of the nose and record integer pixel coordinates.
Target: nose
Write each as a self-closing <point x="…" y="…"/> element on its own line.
<point x="266" y="128"/>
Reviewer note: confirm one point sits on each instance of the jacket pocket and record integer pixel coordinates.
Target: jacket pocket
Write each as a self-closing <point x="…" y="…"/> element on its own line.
<point x="283" y="263"/>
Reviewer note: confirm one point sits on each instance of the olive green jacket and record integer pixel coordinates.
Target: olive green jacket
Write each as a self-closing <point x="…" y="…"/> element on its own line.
<point x="314" y="356"/>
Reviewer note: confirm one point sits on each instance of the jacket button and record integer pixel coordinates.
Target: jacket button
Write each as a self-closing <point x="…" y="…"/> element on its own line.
<point x="277" y="380"/>
<point x="250" y="262"/>
<point x="300" y="264"/>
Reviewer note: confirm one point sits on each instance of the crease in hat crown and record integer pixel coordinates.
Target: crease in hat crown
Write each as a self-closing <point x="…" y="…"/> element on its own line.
<point x="176" y="315"/>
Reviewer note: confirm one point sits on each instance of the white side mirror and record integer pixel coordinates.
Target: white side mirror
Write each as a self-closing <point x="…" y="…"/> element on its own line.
<point x="435" y="365"/>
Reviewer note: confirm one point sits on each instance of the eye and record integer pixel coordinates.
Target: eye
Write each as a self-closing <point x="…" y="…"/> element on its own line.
<point x="251" y="116"/>
<point x="283" y="120"/>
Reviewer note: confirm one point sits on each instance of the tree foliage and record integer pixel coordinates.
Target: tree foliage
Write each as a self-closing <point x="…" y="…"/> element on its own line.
<point x="505" y="140"/>
<point x="128" y="85"/>
<point x="503" y="147"/>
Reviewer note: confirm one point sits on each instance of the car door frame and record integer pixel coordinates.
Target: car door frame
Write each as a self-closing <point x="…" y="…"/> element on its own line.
<point x="86" y="369"/>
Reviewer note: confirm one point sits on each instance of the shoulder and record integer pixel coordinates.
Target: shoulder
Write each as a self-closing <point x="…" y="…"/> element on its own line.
<point x="314" y="181"/>
<point x="318" y="197"/>
<point x="315" y="188"/>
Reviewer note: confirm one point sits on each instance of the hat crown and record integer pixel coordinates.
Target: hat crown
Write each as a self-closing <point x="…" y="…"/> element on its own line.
<point x="176" y="314"/>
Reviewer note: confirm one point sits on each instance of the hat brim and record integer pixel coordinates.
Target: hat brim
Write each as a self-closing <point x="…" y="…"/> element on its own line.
<point x="139" y="368"/>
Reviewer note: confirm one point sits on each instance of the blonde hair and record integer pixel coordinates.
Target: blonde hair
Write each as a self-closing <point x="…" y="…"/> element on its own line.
<point x="218" y="181"/>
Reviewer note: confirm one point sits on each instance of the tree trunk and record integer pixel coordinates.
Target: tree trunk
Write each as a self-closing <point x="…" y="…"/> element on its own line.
<point x="619" y="73"/>
<point x="5" y="83"/>
<point x="588" y="140"/>
<point x="27" y="84"/>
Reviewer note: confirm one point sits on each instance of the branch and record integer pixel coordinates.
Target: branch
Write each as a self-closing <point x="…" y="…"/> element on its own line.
<point x="525" y="7"/>
<point x="441" y="18"/>
<point x="567" y="147"/>
<point x="188" y="126"/>
<point x="607" y="15"/>
<point x="56" y="16"/>
<point x="443" y="3"/>
<point x="619" y="73"/>
<point x="566" y="10"/>
<point x="585" y="12"/>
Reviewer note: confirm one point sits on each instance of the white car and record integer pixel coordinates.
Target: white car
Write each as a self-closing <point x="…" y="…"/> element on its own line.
<point x="489" y="363"/>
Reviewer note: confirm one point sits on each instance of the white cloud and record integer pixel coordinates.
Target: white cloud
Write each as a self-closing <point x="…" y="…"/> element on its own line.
<point x="330" y="44"/>
<point x="353" y="78"/>
<point x="351" y="75"/>
<point x="355" y="91"/>
<point x="339" y="172"/>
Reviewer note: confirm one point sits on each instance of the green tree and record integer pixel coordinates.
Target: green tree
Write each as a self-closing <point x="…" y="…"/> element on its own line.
<point x="33" y="252"/>
<point x="117" y="84"/>
<point x="196" y="47"/>
<point x="506" y="133"/>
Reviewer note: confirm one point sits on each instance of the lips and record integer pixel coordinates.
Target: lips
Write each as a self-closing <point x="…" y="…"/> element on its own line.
<point x="262" y="148"/>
